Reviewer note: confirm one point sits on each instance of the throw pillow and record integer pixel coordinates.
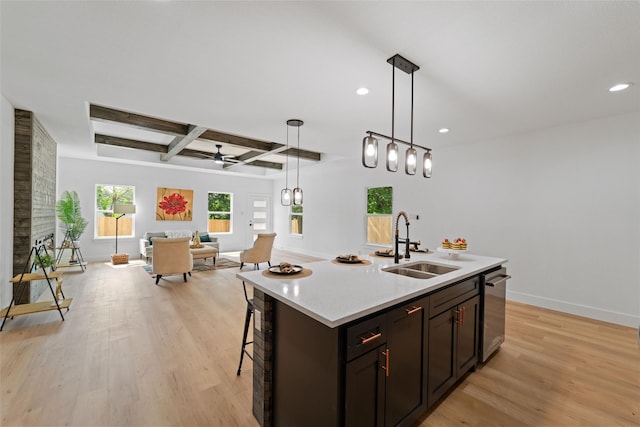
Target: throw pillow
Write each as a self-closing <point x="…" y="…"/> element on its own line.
<point x="150" y="236"/>
<point x="204" y="236"/>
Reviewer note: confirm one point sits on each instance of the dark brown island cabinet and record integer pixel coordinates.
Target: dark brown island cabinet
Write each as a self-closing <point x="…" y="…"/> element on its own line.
<point x="386" y="369"/>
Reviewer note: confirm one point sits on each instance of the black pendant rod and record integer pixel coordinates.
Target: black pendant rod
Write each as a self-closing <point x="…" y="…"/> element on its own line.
<point x="411" y="110"/>
<point x="393" y="98"/>
<point x="372" y="133"/>
<point x="286" y="181"/>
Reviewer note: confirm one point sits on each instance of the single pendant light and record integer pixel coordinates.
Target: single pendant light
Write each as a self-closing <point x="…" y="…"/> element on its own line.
<point x="411" y="159"/>
<point x="426" y="171"/>
<point x="297" y="192"/>
<point x="285" y="194"/>
<point x="369" y="152"/>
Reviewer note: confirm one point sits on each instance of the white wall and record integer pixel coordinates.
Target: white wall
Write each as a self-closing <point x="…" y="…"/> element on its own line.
<point x="6" y="201"/>
<point x="562" y="204"/>
<point x="83" y="175"/>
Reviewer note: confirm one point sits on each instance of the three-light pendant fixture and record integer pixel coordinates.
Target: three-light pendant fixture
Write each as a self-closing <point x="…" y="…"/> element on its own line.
<point x="286" y="195"/>
<point x="370" y="143"/>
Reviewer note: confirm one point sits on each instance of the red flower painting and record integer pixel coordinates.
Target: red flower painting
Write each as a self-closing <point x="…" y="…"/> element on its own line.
<point x="174" y="204"/>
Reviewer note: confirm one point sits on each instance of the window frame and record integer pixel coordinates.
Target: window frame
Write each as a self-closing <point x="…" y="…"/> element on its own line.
<point x="98" y="212"/>
<point x="230" y="212"/>
<point x="296" y="214"/>
<point x="368" y="216"/>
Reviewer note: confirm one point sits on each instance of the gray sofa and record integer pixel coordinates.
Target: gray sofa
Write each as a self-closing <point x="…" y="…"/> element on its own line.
<point x="146" y="243"/>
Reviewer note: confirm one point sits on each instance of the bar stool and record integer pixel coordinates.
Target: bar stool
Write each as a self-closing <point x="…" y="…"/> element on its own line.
<point x="247" y="321"/>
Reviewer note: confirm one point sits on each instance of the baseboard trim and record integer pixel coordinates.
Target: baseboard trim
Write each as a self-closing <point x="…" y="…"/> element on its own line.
<point x="577" y="309"/>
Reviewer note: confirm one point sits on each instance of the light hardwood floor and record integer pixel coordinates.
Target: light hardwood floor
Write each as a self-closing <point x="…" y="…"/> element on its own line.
<point x="131" y="353"/>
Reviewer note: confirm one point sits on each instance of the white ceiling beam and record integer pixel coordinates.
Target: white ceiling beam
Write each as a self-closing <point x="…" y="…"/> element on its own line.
<point x="257" y="157"/>
<point x="181" y="142"/>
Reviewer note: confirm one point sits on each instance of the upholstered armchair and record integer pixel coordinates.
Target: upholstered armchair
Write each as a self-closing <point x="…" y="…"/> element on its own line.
<point x="171" y="256"/>
<point x="260" y="252"/>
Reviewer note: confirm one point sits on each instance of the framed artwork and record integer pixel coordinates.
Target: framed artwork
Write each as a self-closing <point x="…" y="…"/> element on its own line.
<point x="174" y="204"/>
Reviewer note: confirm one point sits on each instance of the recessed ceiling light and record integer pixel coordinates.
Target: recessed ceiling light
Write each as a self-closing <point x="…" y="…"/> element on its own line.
<point x="620" y="86"/>
<point x="362" y="91"/>
<point x="443" y="130"/>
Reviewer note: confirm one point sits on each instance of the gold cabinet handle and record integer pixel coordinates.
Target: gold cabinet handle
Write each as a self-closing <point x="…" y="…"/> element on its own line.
<point x="364" y="340"/>
<point x="463" y="310"/>
<point x="412" y="310"/>
<point x="457" y="315"/>
<point x="386" y="362"/>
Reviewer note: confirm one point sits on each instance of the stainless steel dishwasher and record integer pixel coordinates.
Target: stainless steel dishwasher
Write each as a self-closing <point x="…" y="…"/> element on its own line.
<point x="494" y="285"/>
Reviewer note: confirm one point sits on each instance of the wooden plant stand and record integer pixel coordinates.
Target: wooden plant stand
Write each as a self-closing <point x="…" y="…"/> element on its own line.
<point x="59" y="301"/>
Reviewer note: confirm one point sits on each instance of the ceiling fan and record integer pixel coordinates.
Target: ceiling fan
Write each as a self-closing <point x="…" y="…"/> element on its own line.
<point x="220" y="158"/>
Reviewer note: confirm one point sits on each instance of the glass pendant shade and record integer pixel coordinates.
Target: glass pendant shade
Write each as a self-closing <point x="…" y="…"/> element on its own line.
<point x="369" y="152"/>
<point x="297" y="196"/>
<point x="426" y="171"/>
<point x="285" y="197"/>
<point x="411" y="161"/>
<point x="392" y="157"/>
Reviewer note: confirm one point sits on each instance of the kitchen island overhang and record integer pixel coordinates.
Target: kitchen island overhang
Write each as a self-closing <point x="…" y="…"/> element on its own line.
<point x="338" y="294"/>
<point x="327" y="303"/>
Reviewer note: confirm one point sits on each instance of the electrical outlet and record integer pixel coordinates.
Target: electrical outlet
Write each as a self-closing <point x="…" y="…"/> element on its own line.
<point x="257" y="320"/>
<point x="414" y="216"/>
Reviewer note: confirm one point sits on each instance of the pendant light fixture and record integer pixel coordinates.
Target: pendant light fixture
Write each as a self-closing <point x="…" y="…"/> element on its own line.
<point x="297" y="192"/>
<point x="285" y="194"/>
<point x="370" y="143"/>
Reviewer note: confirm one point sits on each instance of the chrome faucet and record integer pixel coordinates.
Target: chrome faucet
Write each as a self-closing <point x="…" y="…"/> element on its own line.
<point x="396" y="257"/>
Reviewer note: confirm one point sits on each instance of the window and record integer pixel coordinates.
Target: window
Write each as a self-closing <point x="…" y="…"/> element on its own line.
<point x="106" y="197"/>
<point x="296" y="219"/>
<point x="379" y="215"/>
<point x="219" y="212"/>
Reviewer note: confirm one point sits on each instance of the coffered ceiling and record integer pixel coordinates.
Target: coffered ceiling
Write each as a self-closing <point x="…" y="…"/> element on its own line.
<point x="227" y="72"/>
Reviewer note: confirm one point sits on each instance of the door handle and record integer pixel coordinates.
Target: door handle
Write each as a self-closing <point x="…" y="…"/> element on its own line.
<point x="386" y="362"/>
<point x="375" y="336"/>
<point x="412" y="310"/>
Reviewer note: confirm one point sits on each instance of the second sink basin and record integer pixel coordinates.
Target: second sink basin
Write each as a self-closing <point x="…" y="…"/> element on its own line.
<point x="420" y="270"/>
<point x="431" y="268"/>
<point x="411" y="273"/>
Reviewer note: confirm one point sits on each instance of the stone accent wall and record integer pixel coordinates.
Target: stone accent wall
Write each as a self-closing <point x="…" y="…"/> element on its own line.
<point x="34" y="195"/>
<point x="263" y="360"/>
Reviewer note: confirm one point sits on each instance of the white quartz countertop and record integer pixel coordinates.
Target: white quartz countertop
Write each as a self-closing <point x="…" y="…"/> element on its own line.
<point x="335" y="294"/>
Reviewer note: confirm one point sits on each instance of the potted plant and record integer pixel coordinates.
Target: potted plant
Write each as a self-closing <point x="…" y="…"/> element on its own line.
<point x="44" y="260"/>
<point x="73" y="224"/>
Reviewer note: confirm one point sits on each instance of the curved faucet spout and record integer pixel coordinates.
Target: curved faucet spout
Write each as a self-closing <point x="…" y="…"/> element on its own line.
<point x="396" y="256"/>
<point x="406" y="219"/>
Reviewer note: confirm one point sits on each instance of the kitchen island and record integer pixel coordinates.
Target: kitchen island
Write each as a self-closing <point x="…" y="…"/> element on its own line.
<point x="353" y="344"/>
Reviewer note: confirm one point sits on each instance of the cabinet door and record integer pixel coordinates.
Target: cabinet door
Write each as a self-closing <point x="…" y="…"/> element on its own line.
<point x="467" y="335"/>
<point x="406" y="383"/>
<point x="442" y="368"/>
<point x="364" y="389"/>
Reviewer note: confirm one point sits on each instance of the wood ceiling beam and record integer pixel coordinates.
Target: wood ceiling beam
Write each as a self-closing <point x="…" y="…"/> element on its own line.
<point x="204" y="154"/>
<point x="182" y="130"/>
<point x="160" y="148"/>
<point x="181" y="142"/>
<point x="257" y="145"/>
<point x="105" y="114"/>
<point x="129" y="143"/>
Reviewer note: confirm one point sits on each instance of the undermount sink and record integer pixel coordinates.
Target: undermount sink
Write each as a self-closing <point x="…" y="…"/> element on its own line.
<point x="403" y="271"/>
<point x="431" y="268"/>
<point x="420" y="270"/>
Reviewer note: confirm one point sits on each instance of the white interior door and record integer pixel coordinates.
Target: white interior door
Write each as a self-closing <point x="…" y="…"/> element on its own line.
<point x="259" y="216"/>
